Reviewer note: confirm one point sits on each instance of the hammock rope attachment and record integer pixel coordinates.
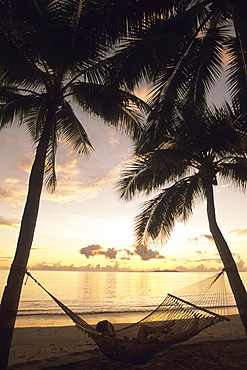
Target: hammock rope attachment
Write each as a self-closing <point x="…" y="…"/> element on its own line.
<point x="172" y="308"/>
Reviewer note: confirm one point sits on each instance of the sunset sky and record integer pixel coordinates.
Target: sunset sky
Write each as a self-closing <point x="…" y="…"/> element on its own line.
<point x="84" y="224"/>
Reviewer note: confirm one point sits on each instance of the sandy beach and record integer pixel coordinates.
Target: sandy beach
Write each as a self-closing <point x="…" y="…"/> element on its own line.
<point x="222" y="346"/>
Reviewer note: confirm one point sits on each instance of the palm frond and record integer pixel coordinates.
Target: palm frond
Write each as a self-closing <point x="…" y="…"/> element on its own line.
<point x="71" y="131"/>
<point x="121" y="18"/>
<point x="158" y="215"/>
<point x="35" y="118"/>
<point x="204" y="63"/>
<point x="144" y="56"/>
<point x="235" y="172"/>
<point x="16" y="108"/>
<point x="116" y="107"/>
<point x="146" y="173"/>
<point x="205" y="129"/>
<point x="50" y="172"/>
<point x="236" y="74"/>
<point x="16" y="69"/>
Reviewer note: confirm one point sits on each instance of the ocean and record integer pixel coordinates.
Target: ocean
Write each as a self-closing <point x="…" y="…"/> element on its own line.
<point x="118" y="296"/>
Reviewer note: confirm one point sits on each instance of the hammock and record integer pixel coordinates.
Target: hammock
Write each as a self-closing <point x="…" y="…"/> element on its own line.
<point x="182" y="307"/>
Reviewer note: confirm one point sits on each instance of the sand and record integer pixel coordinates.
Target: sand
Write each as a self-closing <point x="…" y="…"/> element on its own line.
<point x="222" y="346"/>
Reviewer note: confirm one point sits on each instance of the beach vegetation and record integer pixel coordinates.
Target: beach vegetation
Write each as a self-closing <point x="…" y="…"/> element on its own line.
<point x="186" y="50"/>
<point x="182" y="56"/>
<point x="55" y="56"/>
<point x="207" y="145"/>
<point x="93" y="54"/>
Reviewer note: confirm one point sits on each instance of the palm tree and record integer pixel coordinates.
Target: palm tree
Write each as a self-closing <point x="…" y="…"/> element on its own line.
<point x="54" y="51"/>
<point x="182" y="52"/>
<point x="205" y="145"/>
<point x="185" y="48"/>
<point x="52" y="54"/>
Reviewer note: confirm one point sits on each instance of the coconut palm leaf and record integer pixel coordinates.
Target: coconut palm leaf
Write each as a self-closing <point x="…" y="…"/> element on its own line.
<point x="159" y="215"/>
<point x="116" y="107"/>
<point x="236" y="170"/>
<point x="189" y="45"/>
<point x="204" y="145"/>
<point x="16" y="108"/>
<point x="214" y="147"/>
<point x="236" y="74"/>
<point x="49" y="51"/>
<point x="162" y="166"/>
<point x="70" y="130"/>
<point x="50" y="178"/>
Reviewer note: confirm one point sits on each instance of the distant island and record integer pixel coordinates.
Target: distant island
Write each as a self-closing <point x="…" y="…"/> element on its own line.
<point x="158" y="271"/>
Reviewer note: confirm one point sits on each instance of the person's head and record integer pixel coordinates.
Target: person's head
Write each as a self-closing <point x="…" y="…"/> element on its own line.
<point x="106" y="328"/>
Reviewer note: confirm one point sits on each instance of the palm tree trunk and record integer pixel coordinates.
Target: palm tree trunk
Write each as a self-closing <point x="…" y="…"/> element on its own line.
<point x="234" y="278"/>
<point x="12" y="291"/>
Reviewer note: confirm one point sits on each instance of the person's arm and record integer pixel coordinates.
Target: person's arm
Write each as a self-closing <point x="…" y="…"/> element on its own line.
<point x="190" y="332"/>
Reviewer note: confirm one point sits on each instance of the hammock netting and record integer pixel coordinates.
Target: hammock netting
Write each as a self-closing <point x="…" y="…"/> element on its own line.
<point x="205" y="299"/>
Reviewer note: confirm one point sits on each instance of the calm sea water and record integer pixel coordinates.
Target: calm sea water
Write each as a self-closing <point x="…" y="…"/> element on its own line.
<point x="119" y="296"/>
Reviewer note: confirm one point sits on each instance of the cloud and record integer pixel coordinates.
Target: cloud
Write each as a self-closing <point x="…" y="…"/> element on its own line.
<point x="4" y="193"/>
<point x="7" y="193"/>
<point x="52" y="266"/>
<point x="198" y="268"/>
<point x="239" y="232"/>
<point x="114" y="267"/>
<point x="197" y="238"/>
<point x="97" y="250"/>
<point x="90" y="250"/>
<point x="147" y="254"/>
<point x="200" y="252"/>
<point x="217" y="260"/>
<point x="113" y="138"/>
<point x="241" y="265"/>
<point x="13" y="192"/>
<point x="208" y="237"/>
<point x="128" y="252"/>
<point x="11" y="180"/>
<point x="4" y="222"/>
<point x="26" y="164"/>
<point x="124" y="254"/>
<point x="4" y="259"/>
<point x="58" y="266"/>
<point x="239" y="262"/>
<point x="77" y="180"/>
<point x="82" y="185"/>
<point x="194" y="240"/>
<point x="202" y="267"/>
<point x="109" y="253"/>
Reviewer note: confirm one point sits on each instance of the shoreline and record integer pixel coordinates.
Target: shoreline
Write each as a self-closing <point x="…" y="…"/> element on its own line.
<point x="62" y="347"/>
<point x="32" y="321"/>
<point x="56" y="320"/>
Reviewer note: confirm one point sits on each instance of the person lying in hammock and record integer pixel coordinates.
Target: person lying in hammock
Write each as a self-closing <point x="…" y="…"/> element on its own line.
<point x="159" y="333"/>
